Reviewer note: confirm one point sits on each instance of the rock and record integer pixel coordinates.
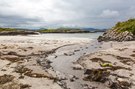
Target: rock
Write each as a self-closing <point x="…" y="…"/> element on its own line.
<point x="25" y="86"/>
<point x="60" y="76"/>
<point x="123" y="82"/>
<point x="98" y="75"/>
<point x="76" y="50"/>
<point x="55" y="56"/>
<point x="115" y="85"/>
<point x="11" y="85"/>
<point x="77" y="67"/>
<point x="3" y="70"/>
<point x="73" y="78"/>
<point x="21" y="77"/>
<point x="62" y="84"/>
<point x="44" y="63"/>
<point x="12" y="53"/>
<point x="86" y="86"/>
<point x="69" y="54"/>
<point x="122" y="31"/>
<point x="120" y="84"/>
<point x="11" y="58"/>
<point x="114" y="35"/>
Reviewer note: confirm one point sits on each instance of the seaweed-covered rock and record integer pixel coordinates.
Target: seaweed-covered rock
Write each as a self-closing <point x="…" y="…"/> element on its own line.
<point x="77" y="67"/>
<point x="120" y="84"/>
<point x="6" y="78"/>
<point x="98" y="75"/>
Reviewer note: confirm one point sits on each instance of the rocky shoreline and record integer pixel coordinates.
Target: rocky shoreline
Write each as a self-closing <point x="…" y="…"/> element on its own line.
<point x="122" y="31"/>
<point x="114" y="35"/>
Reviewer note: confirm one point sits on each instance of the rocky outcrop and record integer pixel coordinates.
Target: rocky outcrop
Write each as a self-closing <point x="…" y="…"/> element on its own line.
<point x="115" y="35"/>
<point x="122" y="31"/>
<point x="19" y="33"/>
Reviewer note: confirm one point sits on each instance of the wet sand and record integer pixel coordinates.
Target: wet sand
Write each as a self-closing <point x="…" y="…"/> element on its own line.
<point x="112" y="65"/>
<point x="25" y="58"/>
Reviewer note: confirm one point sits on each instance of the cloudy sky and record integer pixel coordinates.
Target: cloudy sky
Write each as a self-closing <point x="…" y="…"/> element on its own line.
<point x="57" y="13"/>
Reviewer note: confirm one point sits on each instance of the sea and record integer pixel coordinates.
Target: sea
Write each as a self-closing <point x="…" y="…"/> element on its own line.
<point x="90" y="36"/>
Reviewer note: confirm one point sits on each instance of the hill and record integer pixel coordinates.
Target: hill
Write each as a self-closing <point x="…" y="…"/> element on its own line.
<point x="63" y="30"/>
<point x="15" y="31"/>
<point x="7" y="29"/>
<point x="70" y="30"/>
<point x="94" y="29"/>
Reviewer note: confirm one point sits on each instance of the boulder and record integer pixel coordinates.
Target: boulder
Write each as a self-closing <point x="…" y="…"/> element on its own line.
<point x="97" y="75"/>
<point x="77" y="67"/>
<point x="73" y="78"/>
<point x="60" y="76"/>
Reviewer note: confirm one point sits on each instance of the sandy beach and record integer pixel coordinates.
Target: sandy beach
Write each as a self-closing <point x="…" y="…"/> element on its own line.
<point x="115" y="58"/>
<point x="34" y="62"/>
<point x="24" y="63"/>
<point x="67" y="44"/>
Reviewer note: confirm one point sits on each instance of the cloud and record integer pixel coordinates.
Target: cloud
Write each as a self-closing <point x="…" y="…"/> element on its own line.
<point x="109" y="14"/>
<point x="55" y="13"/>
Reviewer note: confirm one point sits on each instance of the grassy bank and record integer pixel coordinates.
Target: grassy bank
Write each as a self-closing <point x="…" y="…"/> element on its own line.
<point x="126" y="26"/>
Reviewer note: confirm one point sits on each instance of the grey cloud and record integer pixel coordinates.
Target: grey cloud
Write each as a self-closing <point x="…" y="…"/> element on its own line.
<point x="16" y="21"/>
<point x="55" y="13"/>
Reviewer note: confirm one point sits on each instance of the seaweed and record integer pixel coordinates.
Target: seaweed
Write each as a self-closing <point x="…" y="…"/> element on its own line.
<point x="6" y="78"/>
<point x="99" y="60"/>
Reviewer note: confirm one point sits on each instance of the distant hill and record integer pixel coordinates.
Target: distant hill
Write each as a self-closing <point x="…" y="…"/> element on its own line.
<point x="94" y="29"/>
<point x="7" y="29"/>
<point x="56" y="30"/>
<point x="15" y="31"/>
<point x="70" y="30"/>
<point x="63" y="30"/>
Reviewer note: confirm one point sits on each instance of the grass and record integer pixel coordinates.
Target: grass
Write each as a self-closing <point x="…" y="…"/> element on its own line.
<point x="7" y="29"/>
<point x="128" y="25"/>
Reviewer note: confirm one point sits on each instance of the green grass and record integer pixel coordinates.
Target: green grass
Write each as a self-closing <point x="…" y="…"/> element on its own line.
<point x="126" y="26"/>
<point x="7" y="29"/>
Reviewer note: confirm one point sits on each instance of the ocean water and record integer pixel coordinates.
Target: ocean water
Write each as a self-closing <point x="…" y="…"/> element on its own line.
<point x="71" y="36"/>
